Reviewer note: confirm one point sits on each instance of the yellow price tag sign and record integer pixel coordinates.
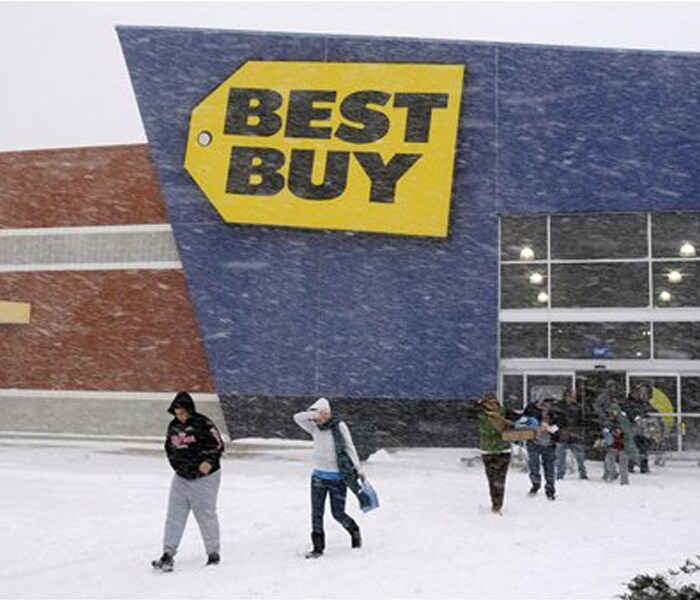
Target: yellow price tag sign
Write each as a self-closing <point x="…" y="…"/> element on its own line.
<point x="350" y="146"/>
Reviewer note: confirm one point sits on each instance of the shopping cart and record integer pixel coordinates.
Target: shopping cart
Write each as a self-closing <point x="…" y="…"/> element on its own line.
<point x="656" y="437"/>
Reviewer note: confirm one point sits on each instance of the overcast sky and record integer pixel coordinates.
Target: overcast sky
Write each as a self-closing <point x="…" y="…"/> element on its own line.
<point x="64" y="82"/>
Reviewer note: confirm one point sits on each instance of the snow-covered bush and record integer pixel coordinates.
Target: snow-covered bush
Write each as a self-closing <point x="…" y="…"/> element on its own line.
<point x="676" y="585"/>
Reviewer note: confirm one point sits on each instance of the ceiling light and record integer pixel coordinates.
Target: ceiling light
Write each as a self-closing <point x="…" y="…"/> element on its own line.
<point x="542" y="297"/>
<point x="687" y="250"/>
<point x="674" y="276"/>
<point x="536" y="278"/>
<point x="527" y="253"/>
<point x="665" y="296"/>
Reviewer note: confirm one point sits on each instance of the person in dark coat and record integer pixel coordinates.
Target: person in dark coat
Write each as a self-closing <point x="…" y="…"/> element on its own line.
<point x="495" y="452"/>
<point x="571" y="434"/>
<point x="541" y="451"/>
<point x="194" y="447"/>
<point x="636" y="409"/>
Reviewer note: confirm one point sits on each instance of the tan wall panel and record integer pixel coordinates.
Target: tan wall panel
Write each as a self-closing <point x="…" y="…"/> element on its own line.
<point x="87" y="416"/>
<point x="102" y="330"/>
<point x="113" y="185"/>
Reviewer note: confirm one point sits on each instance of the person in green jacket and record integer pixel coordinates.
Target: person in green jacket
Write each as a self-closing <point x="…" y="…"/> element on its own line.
<point x="495" y="452"/>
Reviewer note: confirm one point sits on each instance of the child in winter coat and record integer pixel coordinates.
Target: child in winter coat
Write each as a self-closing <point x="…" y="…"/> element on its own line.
<point x="619" y="443"/>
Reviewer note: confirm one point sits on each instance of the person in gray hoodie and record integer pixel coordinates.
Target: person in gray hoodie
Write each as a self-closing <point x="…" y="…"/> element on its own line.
<point x="332" y="444"/>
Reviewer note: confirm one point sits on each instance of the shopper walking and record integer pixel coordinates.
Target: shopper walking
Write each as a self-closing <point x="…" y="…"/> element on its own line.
<point x="619" y="443"/>
<point x="571" y="434"/>
<point x="541" y="450"/>
<point x="336" y="464"/>
<point x="194" y="447"/>
<point x="495" y="452"/>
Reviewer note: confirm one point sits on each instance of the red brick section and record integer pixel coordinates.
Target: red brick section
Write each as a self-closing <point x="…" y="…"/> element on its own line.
<point x="111" y="185"/>
<point x="102" y="330"/>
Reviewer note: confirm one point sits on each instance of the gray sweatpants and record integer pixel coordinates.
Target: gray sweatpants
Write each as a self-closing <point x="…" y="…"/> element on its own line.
<point x="610" y="466"/>
<point x="199" y="496"/>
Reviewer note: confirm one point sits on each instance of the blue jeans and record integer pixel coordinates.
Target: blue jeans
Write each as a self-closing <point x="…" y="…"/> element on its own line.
<point x="577" y="450"/>
<point x="545" y="456"/>
<point x="320" y="488"/>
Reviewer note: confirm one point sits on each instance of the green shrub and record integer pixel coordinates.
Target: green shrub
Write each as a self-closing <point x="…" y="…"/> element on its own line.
<point x="665" y="587"/>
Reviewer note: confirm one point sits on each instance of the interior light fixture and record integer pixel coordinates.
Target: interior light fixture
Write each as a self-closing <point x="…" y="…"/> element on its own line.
<point x="674" y="276"/>
<point x="543" y="297"/>
<point x="687" y="250"/>
<point x="536" y="278"/>
<point x="527" y="253"/>
<point x="665" y="296"/>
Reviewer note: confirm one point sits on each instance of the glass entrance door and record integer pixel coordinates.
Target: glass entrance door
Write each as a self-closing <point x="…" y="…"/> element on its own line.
<point x="673" y="399"/>
<point x="591" y="386"/>
<point x="594" y="389"/>
<point x="690" y="413"/>
<point x="660" y="395"/>
<point x="548" y="385"/>
<point x="518" y="389"/>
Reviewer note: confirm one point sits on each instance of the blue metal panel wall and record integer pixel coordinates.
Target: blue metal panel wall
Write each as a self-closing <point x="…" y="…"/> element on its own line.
<point x="293" y="312"/>
<point x="598" y="130"/>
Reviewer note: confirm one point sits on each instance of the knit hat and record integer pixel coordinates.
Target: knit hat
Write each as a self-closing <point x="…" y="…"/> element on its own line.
<point x="321" y="404"/>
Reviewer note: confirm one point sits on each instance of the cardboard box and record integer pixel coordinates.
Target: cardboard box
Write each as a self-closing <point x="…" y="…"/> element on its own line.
<point x="518" y="435"/>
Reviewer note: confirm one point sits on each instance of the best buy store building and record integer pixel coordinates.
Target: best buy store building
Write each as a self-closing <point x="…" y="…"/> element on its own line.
<point x="402" y="224"/>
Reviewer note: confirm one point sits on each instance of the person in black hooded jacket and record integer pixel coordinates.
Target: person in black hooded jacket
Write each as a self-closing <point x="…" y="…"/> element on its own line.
<point x="194" y="447"/>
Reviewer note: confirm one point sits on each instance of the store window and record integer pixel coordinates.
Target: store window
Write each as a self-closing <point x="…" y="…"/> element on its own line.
<point x="547" y="386"/>
<point x="676" y="284"/>
<point x="675" y="235"/>
<point x="661" y="395"/>
<point x="659" y="391"/>
<point x="524" y="340"/>
<point x="600" y="285"/>
<point x="677" y="341"/>
<point x="690" y="404"/>
<point x="512" y="392"/>
<point x="601" y="340"/>
<point x="691" y="433"/>
<point x="616" y="263"/>
<point x="524" y="286"/>
<point x="690" y="394"/>
<point x="598" y="236"/>
<point x="523" y="238"/>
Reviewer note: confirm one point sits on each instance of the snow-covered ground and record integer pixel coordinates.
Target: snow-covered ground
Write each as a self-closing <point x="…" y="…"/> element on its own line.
<point x="85" y="520"/>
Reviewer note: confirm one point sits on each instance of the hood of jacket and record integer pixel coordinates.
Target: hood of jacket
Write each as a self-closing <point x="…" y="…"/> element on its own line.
<point x="182" y="400"/>
<point x="321" y="404"/>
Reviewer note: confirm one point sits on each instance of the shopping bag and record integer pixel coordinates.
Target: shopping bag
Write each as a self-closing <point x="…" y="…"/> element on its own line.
<point x="368" y="496"/>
